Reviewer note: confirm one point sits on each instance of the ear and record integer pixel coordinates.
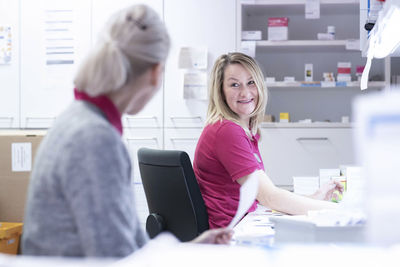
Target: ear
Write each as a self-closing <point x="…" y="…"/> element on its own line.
<point x="155" y="74"/>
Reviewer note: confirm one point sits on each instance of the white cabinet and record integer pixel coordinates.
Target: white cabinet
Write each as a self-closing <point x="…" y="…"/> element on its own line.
<point x="9" y="73"/>
<point x="288" y="58"/>
<point x="301" y="151"/>
<point x="136" y="138"/>
<point x="183" y="139"/>
<point x="194" y="23"/>
<point x="55" y="35"/>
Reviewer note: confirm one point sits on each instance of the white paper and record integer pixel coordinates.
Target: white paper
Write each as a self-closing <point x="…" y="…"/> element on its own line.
<point x="248" y="48"/>
<point x="21" y="157"/>
<point x="248" y="193"/>
<point x="193" y="58"/>
<point x="353" y="44"/>
<point x="60" y="44"/>
<point x="195" y="85"/>
<point x="312" y="9"/>
<point x="59" y="33"/>
<point x="5" y="44"/>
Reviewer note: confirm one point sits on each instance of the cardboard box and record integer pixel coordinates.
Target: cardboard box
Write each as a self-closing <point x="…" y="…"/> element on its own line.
<point x="17" y="150"/>
<point x="10" y="234"/>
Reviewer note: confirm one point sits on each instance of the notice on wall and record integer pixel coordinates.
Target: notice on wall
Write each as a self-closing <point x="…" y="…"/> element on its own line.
<point x="5" y="44"/>
<point x="59" y="37"/>
<point x="21" y="157"/>
<point x="248" y="48"/>
<point x="193" y="58"/>
<point x="195" y="85"/>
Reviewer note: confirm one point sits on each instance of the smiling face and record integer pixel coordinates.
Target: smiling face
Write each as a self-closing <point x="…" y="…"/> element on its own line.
<point x="240" y="91"/>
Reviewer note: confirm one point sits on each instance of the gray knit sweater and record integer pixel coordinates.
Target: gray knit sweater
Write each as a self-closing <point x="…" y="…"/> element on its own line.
<point x="80" y="200"/>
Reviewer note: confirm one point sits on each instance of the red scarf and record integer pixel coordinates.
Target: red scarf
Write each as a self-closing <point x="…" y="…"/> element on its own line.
<point x="105" y="105"/>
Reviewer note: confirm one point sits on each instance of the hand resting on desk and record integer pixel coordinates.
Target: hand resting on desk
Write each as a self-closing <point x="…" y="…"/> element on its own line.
<point x="214" y="236"/>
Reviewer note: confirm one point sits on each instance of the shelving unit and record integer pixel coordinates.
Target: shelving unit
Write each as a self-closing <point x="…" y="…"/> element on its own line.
<point x="287" y="58"/>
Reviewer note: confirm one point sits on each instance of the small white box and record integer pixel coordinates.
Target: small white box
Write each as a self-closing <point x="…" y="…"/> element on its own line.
<point x="289" y="79"/>
<point x="343" y="77"/>
<point x="270" y="79"/>
<point x="325" y="36"/>
<point x="305" y="185"/>
<point x="251" y="35"/>
<point x="308" y="72"/>
<point x="326" y="174"/>
<point x="278" y="29"/>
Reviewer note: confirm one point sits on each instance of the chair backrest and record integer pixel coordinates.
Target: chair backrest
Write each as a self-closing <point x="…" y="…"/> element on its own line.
<point x="172" y="192"/>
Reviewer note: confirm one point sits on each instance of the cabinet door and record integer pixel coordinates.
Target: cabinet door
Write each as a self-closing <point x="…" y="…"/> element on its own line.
<point x="9" y="69"/>
<point x="136" y="138"/>
<point x="183" y="139"/>
<point x="194" y="23"/>
<point x="289" y="152"/>
<point x="151" y="115"/>
<point x="55" y="35"/>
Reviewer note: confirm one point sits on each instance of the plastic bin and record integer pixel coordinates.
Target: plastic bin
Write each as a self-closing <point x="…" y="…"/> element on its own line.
<point x="10" y="234"/>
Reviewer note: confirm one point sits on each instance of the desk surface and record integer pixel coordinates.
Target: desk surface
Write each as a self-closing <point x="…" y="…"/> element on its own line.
<point x="266" y="228"/>
<point x="256" y="228"/>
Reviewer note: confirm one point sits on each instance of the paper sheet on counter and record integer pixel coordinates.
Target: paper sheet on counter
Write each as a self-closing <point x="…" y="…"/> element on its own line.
<point x="248" y="193"/>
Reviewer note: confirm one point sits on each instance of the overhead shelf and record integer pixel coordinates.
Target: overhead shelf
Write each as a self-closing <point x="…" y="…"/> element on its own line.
<point x="295" y="2"/>
<point x="353" y="84"/>
<point x="297" y="43"/>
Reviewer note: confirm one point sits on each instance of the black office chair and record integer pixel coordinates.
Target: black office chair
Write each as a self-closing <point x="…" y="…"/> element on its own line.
<point x="173" y="195"/>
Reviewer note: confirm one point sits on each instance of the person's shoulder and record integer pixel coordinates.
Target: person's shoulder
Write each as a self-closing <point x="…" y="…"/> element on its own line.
<point x="83" y="123"/>
<point x="230" y="128"/>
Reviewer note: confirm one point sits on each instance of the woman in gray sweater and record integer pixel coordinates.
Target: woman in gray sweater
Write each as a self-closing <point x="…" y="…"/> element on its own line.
<point x="80" y="201"/>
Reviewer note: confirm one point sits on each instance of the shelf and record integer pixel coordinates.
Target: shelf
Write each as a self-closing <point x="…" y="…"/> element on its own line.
<point x="308" y="45"/>
<point x="305" y="125"/>
<point x="296" y="43"/>
<point x="353" y="84"/>
<point x="295" y="2"/>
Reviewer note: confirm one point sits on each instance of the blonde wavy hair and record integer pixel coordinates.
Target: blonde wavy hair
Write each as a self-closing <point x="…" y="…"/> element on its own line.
<point x="218" y="109"/>
<point x="133" y="40"/>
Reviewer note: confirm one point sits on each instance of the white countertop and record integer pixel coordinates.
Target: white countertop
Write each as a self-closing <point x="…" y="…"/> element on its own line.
<point x="306" y="125"/>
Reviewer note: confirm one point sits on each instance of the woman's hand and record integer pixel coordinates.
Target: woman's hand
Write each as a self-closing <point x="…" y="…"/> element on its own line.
<point x="327" y="190"/>
<point x="214" y="236"/>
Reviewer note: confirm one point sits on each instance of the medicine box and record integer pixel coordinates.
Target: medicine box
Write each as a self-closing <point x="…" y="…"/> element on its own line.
<point x="305" y="185"/>
<point x="284" y="117"/>
<point x="308" y="72"/>
<point x="10" y="234"/>
<point x="278" y="29"/>
<point x="251" y="35"/>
